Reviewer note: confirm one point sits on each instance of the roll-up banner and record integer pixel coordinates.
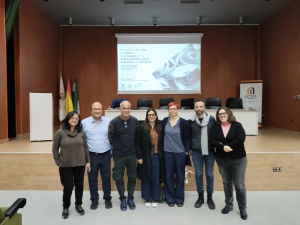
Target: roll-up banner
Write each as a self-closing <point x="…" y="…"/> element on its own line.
<point x="251" y="93"/>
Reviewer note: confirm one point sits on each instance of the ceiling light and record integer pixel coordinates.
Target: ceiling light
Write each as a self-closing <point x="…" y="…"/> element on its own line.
<point x="199" y="21"/>
<point x="112" y="21"/>
<point x="241" y="20"/>
<point x="154" y="21"/>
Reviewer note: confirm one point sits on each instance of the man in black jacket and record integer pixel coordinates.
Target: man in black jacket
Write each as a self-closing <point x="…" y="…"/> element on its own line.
<point x="121" y="133"/>
<point x="203" y="153"/>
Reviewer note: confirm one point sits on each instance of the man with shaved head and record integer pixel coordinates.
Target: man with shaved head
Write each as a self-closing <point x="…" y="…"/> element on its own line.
<point x="122" y="130"/>
<point x="96" y="131"/>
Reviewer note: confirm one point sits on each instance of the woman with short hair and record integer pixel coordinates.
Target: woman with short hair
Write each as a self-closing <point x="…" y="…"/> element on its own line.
<point x="176" y="148"/>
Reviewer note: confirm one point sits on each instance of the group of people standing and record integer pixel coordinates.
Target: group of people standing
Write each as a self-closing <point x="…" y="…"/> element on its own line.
<point x="154" y="151"/>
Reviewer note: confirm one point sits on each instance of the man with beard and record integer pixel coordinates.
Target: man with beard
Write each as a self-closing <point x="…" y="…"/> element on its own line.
<point x="202" y="152"/>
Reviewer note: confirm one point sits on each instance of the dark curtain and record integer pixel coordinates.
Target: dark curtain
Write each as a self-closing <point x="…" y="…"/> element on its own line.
<point x="11" y="9"/>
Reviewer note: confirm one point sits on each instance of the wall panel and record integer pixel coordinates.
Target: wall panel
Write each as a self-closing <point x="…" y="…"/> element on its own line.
<point x="280" y="57"/>
<point x="90" y="53"/>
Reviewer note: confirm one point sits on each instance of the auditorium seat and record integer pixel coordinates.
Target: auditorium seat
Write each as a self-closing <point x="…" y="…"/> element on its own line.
<point x="9" y="216"/>
<point x="187" y="103"/>
<point x="144" y="103"/>
<point x="116" y="103"/>
<point x="164" y="102"/>
<point x="213" y="103"/>
<point x="234" y="103"/>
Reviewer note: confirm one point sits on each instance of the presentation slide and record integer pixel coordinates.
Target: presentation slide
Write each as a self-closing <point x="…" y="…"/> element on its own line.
<point x="159" y="67"/>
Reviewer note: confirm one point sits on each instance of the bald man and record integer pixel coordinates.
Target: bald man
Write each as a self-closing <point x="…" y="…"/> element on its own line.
<point x="122" y="131"/>
<point x="96" y="131"/>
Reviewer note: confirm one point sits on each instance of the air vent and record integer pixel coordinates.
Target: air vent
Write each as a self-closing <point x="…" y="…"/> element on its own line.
<point x="133" y="1"/>
<point x="189" y="1"/>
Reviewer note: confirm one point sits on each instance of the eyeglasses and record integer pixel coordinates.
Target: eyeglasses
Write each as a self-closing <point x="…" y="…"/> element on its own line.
<point x="74" y="118"/>
<point x="125" y="124"/>
<point x="151" y="115"/>
<point x="222" y="114"/>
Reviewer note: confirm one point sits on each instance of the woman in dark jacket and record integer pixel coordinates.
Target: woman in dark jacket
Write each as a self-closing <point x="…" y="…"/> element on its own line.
<point x="150" y="157"/>
<point x="72" y="159"/>
<point x="175" y="131"/>
<point x="228" y="137"/>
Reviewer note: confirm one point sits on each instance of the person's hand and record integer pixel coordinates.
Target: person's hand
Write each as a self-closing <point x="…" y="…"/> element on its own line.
<point x="88" y="166"/>
<point x="190" y="152"/>
<point x="227" y="148"/>
<point x="140" y="161"/>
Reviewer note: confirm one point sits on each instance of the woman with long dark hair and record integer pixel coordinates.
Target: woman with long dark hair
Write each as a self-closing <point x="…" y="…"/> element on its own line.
<point x="150" y="157"/>
<point x="228" y="137"/>
<point x="72" y="159"/>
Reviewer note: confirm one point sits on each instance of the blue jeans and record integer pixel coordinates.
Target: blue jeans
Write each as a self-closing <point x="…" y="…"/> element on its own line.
<point x="151" y="188"/>
<point x="233" y="172"/>
<point x="174" y="188"/>
<point x="199" y="161"/>
<point x="100" y="162"/>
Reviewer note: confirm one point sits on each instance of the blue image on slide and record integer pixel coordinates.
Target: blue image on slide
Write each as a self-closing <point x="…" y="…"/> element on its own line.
<point x="182" y="71"/>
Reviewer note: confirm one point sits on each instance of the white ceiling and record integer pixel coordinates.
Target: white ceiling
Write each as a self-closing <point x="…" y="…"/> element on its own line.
<point x="167" y="12"/>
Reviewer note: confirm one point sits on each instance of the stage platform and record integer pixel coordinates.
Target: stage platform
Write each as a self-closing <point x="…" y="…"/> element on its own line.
<point x="29" y="165"/>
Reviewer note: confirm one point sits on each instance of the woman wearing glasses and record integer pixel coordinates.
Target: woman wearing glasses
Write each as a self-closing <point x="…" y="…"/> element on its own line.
<point x="228" y="137"/>
<point x="176" y="143"/>
<point x="72" y="159"/>
<point x="150" y="157"/>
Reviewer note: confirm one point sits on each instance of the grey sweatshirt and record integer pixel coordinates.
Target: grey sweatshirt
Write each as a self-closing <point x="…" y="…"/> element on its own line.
<point x="73" y="148"/>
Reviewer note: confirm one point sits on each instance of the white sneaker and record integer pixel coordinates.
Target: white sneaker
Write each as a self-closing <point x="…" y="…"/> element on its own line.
<point x="154" y="204"/>
<point x="148" y="203"/>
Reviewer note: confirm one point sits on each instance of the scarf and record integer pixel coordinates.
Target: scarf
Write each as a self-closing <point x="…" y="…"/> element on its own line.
<point x="204" y="134"/>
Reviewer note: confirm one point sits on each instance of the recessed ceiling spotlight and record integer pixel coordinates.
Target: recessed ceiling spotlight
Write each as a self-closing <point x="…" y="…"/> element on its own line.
<point x="241" y="20"/>
<point x="154" y="21"/>
<point x="199" y="21"/>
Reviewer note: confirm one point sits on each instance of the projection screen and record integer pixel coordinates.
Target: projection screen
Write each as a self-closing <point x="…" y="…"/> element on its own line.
<point x="159" y="63"/>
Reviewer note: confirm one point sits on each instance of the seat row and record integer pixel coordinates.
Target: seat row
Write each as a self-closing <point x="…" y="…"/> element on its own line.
<point x="186" y="103"/>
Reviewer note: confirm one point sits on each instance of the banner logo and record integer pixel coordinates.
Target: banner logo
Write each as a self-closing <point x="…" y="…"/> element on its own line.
<point x="250" y="93"/>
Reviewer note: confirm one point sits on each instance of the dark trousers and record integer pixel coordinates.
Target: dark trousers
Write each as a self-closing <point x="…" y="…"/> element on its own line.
<point x="233" y="172"/>
<point x="70" y="176"/>
<point x="100" y="162"/>
<point x="151" y="188"/>
<point x="122" y="162"/>
<point x="174" y="188"/>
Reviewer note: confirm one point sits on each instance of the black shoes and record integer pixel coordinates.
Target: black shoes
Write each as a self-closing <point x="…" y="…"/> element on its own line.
<point x="200" y="201"/>
<point x="79" y="210"/>
<point x="108" y="204"/>
<point x="210" y="202"/>
<point x="94" y="205"/>
<point x="65" y="213"/>
<point x="180" y="204"/>
<point x="171" y="204"/>
<point x="244" y="215"/>
<point x="226" y="209"/>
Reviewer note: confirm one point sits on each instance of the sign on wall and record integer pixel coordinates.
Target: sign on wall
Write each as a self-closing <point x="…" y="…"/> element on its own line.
<point x="251" y="93"/>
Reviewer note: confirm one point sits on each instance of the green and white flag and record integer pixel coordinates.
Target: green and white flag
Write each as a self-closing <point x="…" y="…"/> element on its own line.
<point x="75" y="97"/>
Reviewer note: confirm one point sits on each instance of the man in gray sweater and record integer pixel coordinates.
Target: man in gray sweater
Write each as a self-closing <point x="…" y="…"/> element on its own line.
<point x="121" y="133"/>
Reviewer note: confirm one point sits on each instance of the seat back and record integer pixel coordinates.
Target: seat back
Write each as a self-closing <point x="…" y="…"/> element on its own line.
<point x="213" y="103"/>
<point x="187" y="103"/>
<point x="164" y="102"/>
<point x="234" y="103"/>
<point x="144" y="103"/>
